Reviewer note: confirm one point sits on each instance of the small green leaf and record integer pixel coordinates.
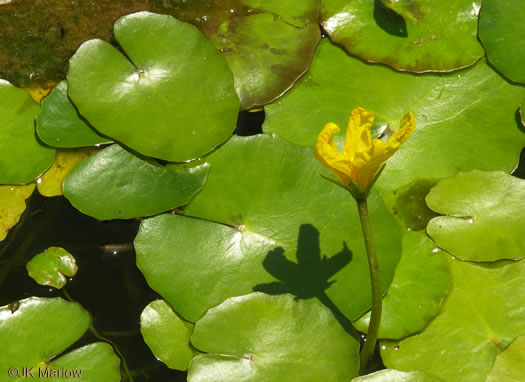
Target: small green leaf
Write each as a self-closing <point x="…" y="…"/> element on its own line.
<point x="272" y="338"/>
<point x="116" y="184"/>
<point x="502" y="36"/>
<point x="167" y="335"/>
<point x="481" y="316"/>
<point x="485" y="214"/>
<point x="96" y="362"/>
<point x="171" y="97"/>
<point x="50" y="267"/>
<point x="22" y="157"/>
<point x="59" y="125"/>
<point x="510" y="364"/>
<point x="419" y="286"/>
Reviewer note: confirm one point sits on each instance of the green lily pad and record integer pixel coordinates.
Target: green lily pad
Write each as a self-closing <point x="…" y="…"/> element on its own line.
<point x="59" y="125"/>
<point x="167" y="335"/>
<point x="482" y="315"/>
<point x="116" y="184"/>
<point x="485" y="214"/>
<point x="272" y="338"/>
<point x="149" y="99"/>
<point x="22" y="158"/>
<point x="267" y="221"/>
<point x="50" y="267"/>
<point x="502" y="35"/>
<point x="419" y="286"/>
<point x="90" y="363"/>
<point x="522" y="115"/>
<point x="408" y="35"/>
<point x="12" y="206"/>
<point x="268" y="44"/>
<point x="35" y="330"/>
<point x="390" y="375"/>
<point x="510" y="364"/>
<point x="460" y="124"/>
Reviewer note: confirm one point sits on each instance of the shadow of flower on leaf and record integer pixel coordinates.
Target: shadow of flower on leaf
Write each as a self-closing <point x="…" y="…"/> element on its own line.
<point x="310" y="276"/>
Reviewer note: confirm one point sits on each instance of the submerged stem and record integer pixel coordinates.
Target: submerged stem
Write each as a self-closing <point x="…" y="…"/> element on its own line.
<point x="375" y="318"/>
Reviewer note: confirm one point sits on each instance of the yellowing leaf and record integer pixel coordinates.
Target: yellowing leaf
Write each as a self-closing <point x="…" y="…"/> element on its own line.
<point x="50" y="183"/>
<point x="12" y="205"/>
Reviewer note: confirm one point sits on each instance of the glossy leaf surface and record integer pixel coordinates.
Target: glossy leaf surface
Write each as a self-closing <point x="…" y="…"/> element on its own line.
<point x="12" y="206"/>
<point x="268" y="44"/>
<point x="116" y="184"/>
<point x="148" y="99"/>
<point x="59" y="125"/>
<point x="97" y="362"/>
<point x="51" y="267"/>
<point x="22" y="157"/>
<point x="484" y="216"/>
<point x="502" y="36"/>
<point x="482" y="315"/>
<point x="419" y="286"/>
<point x="37" y="329"/>
<point x="465" y="120"/>
<point x="272" y="338"/>
<point x="267" y="221"/>
<point x="167" y="335"/>
<point x="408" y="35"/>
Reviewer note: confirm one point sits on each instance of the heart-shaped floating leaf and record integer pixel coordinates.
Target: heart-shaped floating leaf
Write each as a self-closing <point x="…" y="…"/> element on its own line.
<point x="22" y="157"/>
<point x="485" y="216"/>
<point x="408" y="35"/>
<point x="481" y="316"/>
<point x="390" y="375"/>
<point x="50" y="183"/>
<point x="12" y="205"/>
<point x="50" y="267"/>
<point x="268" y="44"/>
<point x="419" y="286"/>
<point x="167" y="335"/>
<point x="510" y="364"/>
<point x="269" y="222"/>
<point x="502" y="36"/>
<point x="272" y="338"/>
<point x="116" y="184"/>
<point x="172" y="97"/>
<point x="465" y="120"/>
<point x="33" y="331"/>
<point x="59" y="125"/>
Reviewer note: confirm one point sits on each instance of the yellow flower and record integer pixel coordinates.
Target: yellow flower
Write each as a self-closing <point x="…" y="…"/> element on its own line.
<point x="363" y="157"/>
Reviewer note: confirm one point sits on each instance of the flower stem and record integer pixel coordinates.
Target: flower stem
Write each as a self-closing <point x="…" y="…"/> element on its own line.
<point x="373" y="328"/>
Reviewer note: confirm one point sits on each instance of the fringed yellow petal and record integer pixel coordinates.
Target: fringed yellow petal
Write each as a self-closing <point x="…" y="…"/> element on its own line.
<point x="408" y="124"/>
<point x="358" y="132"/>
<point x="326" y="152"/>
